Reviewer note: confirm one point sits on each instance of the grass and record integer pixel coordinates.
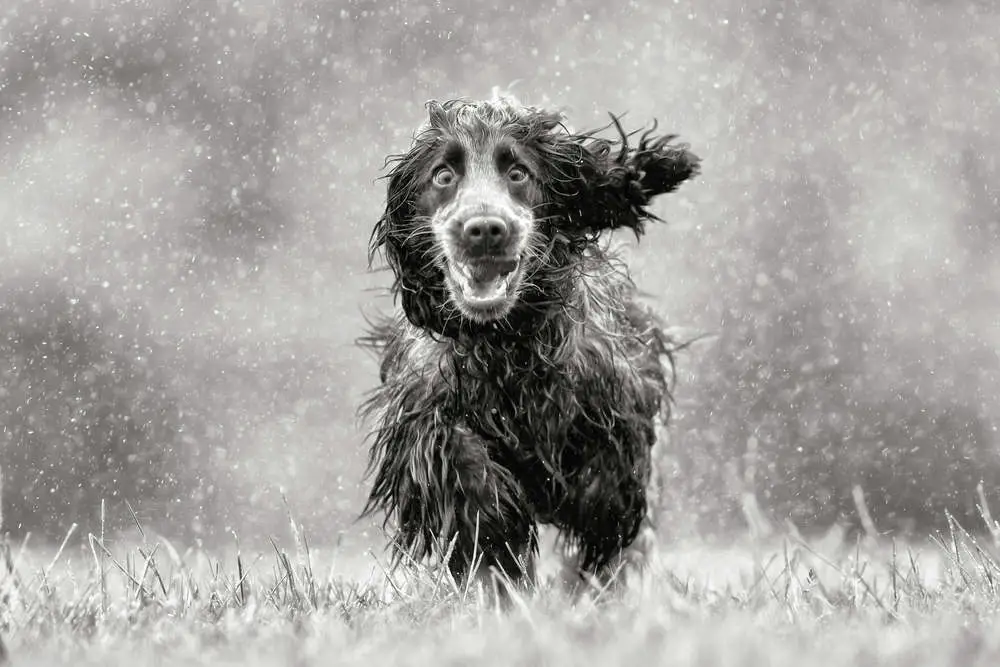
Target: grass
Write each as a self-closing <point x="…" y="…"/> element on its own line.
<point x="779" y="602"/>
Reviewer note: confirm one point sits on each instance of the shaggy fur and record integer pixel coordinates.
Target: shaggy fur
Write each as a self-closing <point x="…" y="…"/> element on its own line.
<point x="544" y="409"/>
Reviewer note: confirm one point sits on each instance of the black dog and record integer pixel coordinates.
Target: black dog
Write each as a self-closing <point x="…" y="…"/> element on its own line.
<point x="523" y="383"/>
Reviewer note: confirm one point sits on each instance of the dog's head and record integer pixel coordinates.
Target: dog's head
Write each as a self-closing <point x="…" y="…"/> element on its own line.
<point x="492" y="196"/>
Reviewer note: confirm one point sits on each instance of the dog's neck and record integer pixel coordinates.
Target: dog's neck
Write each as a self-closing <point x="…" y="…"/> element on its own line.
<point x="533" y="341"/>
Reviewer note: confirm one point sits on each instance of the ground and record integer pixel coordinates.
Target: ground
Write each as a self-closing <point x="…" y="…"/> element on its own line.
<point x="825" y="602"/>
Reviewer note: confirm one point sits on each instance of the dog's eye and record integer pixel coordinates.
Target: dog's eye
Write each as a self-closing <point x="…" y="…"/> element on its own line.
<point x="443" y="177"/>
<point x="517" y="174"/>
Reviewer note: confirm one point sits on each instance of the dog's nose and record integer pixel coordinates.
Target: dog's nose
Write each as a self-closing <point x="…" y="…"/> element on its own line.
<point x="484" y="235"/>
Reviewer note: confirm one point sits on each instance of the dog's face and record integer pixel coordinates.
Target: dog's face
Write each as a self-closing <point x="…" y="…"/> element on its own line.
<point x="479" y="195"/>
<point x="494" y="201"/>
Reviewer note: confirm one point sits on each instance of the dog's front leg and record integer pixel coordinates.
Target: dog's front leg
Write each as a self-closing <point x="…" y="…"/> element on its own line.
<point x="443" y="487"/>
<point x="492" y="527"/>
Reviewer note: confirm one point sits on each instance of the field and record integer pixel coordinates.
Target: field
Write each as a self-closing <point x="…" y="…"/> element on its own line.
<point x="828" y="602"/>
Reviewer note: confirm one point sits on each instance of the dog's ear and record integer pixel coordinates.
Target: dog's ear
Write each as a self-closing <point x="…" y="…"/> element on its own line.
<point x="632" y="176"/>
<point x="600" y="184"/>
<point x="403" y="246"/>
<point x="661" y="166"/>
<point x="595" y="184"/>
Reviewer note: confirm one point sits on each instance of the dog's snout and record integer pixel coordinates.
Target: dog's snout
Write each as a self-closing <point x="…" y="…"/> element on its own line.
<point x="485" y="235"/>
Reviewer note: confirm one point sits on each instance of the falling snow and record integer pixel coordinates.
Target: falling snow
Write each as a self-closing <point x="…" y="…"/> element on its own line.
<point x="187" y="190"/>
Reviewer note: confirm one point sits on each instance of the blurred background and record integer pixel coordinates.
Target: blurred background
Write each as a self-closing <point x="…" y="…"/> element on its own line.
<point x="187" y="190"/>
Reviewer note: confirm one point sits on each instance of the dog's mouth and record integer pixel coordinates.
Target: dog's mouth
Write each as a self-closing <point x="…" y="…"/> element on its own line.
<point x="485" y="284"/>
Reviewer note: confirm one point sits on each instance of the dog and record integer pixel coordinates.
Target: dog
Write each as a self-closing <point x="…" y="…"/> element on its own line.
<point x="522" y="381"/>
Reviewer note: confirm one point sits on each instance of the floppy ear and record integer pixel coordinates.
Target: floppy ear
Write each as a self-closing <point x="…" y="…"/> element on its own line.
<point x="637" y="174"/>
<point x="397" y="223"/>
<point x="417" y="281"/>
<point x="602" y="188"/>
<point x="660" y="165"/>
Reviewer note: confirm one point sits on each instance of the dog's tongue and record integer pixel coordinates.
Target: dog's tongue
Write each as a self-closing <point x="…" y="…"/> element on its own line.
<point x="486" y="279"/>
<point x="488" y="272"/>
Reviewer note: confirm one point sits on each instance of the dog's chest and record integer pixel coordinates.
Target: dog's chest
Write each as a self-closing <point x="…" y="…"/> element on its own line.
<point x="514" y="398"/>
